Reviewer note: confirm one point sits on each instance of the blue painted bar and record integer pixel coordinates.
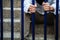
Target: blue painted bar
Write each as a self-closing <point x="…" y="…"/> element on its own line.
<point x="57" y="6"/>
<point x="12" y="21"/>
<point x="33" y="27"/>
<point x="1" y="18"/>
<point x="45" y="26"/>
<point x="22" y="19"/>
<point x="45" y="23"/>
<point x="33" y="23"/>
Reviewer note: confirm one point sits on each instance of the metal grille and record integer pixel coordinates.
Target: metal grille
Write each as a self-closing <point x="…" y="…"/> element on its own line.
<point x="22" y="21"/>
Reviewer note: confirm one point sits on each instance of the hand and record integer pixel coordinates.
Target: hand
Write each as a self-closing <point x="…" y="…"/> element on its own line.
<point x="32" y="8"/>
<point x="46" y="6"/>
<point x="51" y="8"/>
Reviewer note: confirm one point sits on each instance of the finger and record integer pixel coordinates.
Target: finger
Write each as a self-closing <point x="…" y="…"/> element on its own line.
<point x="46" y="9"/>
<point x="33" y="5"/>
<point x="32" y="10"/>
<point x="43" y="3"/>
<point x="51" y="8"/>
<point x="46" y="6"/>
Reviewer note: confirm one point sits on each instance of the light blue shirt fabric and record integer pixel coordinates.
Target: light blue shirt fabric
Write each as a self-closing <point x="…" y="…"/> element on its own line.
<point x="27" y="3"/>
<point x="54" y="5"/>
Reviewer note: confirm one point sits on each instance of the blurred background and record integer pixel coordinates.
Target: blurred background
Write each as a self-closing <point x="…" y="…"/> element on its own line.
<point x="7" y="19"/>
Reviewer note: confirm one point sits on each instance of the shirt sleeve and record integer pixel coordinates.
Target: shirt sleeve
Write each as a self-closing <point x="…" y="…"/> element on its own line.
<point x="27" y="3"/>
<point x="54" y="6"/>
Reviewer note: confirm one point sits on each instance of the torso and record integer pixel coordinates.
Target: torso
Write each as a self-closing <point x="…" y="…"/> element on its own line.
<point x="39" y="1"/>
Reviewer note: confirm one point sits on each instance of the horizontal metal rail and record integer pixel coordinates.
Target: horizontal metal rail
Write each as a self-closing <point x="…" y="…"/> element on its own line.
<point x="6" y="8"/>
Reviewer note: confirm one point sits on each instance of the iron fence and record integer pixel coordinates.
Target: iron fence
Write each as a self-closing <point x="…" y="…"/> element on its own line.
<point x="22" y="20"/>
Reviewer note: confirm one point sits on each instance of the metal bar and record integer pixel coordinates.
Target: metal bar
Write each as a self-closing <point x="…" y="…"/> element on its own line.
<point x="22" y="19"/>
<point x="9" y="20"/>
<point x="45" y="23"/>
<point x="33" y="27"/>
<point x="57" y="6"/>
<point x="7" y="8"/>
<point x="33" y="23"/>
<point x="12" y="21"/>
<point x="1" y="18"/>
<point x="45" y="26"/>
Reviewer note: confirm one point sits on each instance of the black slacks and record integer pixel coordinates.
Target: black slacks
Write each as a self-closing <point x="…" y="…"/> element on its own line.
<point x="39" y="18"/>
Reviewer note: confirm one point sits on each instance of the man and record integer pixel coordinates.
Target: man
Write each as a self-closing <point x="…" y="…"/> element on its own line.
<point x="32" y="8"/>
<point x="39" y="9"/>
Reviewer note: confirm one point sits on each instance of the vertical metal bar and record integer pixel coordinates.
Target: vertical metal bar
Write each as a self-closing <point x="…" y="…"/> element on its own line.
<point x="12" y="21"/>
<point x="45" y="26"/>
<point x="33" y="23"/>
<point x="45" y="23"/>
<point x="22" y="19"/>
<point x="1" y="10"/>
<point x="57" y="6"/>
<point x="1" y="20"/>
